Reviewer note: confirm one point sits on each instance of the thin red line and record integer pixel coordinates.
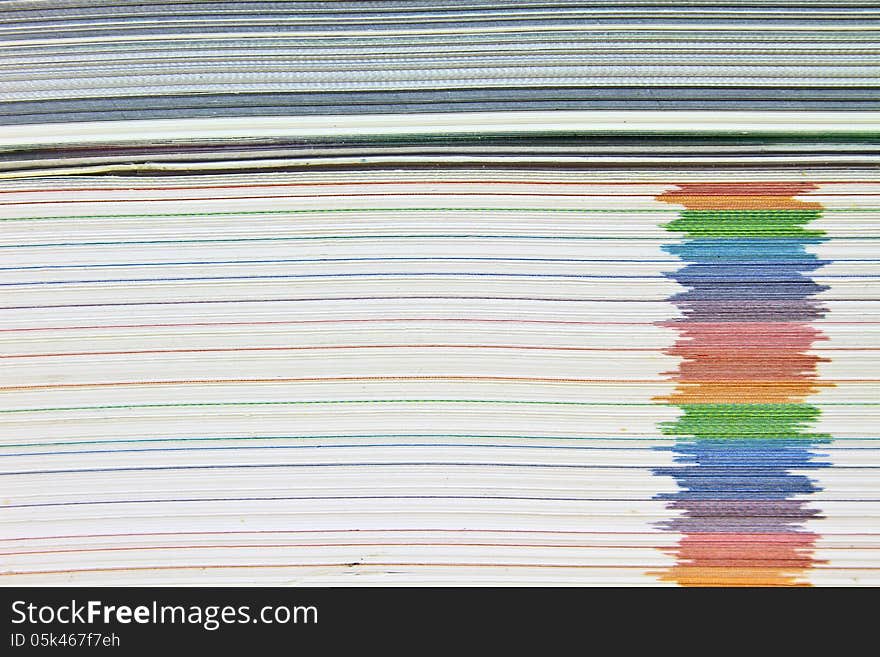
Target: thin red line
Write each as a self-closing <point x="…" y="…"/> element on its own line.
<point x="324" y="565"/>
<point x="368" y="194"/>
<point x="319" y="348"/>
<point x="365" y="531"/>
<point x="310" y="545"/>
<point x="663" y="546"/>
<point x="744" y="184"/>
<point x="405" y="564"/>
<point x="766" y="384"/>
<point x="374" y="346"/>
<point x="350" y="378"/>
<point x="384" y="319"/>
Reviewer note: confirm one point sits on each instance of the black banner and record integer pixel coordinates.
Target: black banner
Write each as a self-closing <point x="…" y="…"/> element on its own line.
<point x="127" y="621"/>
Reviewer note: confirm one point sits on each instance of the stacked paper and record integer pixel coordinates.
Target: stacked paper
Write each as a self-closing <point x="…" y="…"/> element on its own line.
<point x="401" y="293"/>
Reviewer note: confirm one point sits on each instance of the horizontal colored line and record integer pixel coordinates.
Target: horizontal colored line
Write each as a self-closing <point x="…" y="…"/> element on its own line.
<point x="674" y="261"/>
<point x="325" y="545"/>
<point x="423" y="530"/>
<point x="659" y="438"/>
<point x="771" y="570"/>
<point x="470" y="236"/>
<point x="408" y="274"/>
<point x="245" y="240"/>
<point x="342" y="347"/>
<point x="439" y="377"/>
<point x="758" y="185"/>
<point x="415" y="401"/>
<point x="254" y="213"/>
<point x="407" y="194"/>
<point x="335" y="446"/>
<point x="703" y="347"/>
<point x="377" y="497"/>
<point x="751" y="450"/>
<point x="695" y="303"/>
<point x="397" y="464"/>
<point x="747" y="470"/>
<point x="382" y="320"/>
<point x="126" y="548"/>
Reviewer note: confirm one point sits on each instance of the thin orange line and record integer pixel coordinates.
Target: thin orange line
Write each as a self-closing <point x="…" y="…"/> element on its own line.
<point x="317" y="348"/>
<point x="386" y="194"/>
<point x="391" y="319"/>
<point x="364" y="531"/>
<point x="390" y="564"/>
<point x="769" y="384"/>
<point x="744" y="184"/>
<point x="323" y="565"/>
<point x="389" y="544"/>
<point x="382" y="346"/>
<point x="311" y="545"/>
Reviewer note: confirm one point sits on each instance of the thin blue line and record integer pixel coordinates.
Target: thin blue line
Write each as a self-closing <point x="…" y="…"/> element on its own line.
<point x="414" y="258"/>
<point x="742" y="470"/>
<point x="447" y="297"/>
<point x="411" y="275"/>
<point x="302" y="260"/>
<point x="351" y="275"/>
<point x="658" y="438"/>
<point x="345" y="446"/>
<point x="720" y="450"/>
<point x="383" y="497"/>
<point x="661" y="240"/>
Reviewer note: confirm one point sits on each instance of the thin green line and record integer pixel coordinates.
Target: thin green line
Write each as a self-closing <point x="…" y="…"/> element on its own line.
<point x="661" y="239"/>
<point x="400" y="401"/>
<point x="182" y="439"/>
<point x="656" y="439"/>
<point x="664" y="439"/>
<point x="338" y="210"/>
<point x="319" y="401"/>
